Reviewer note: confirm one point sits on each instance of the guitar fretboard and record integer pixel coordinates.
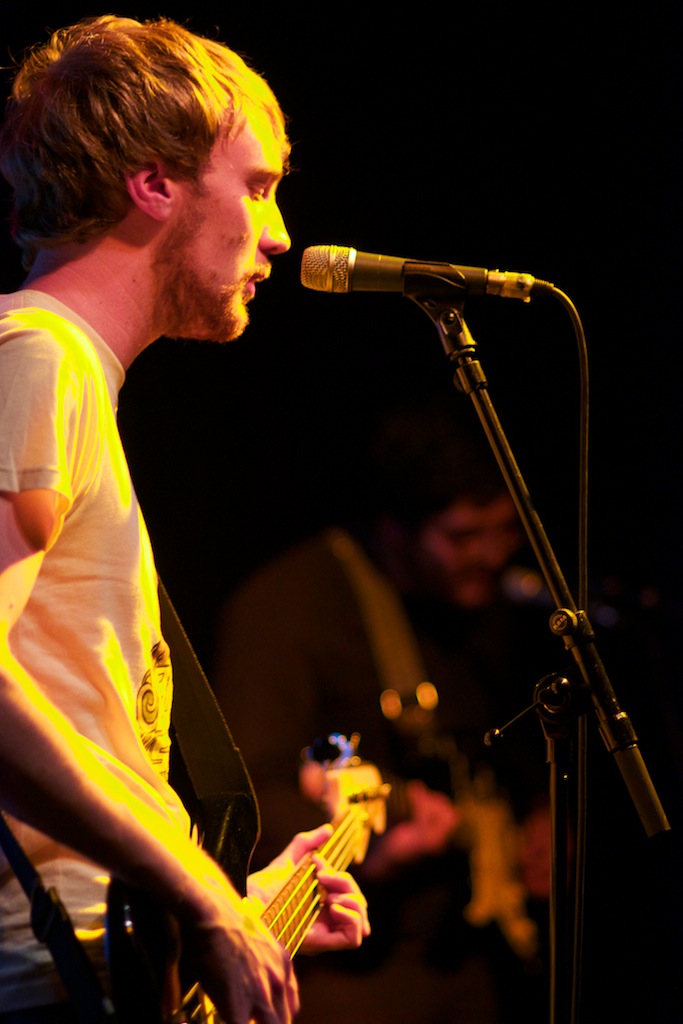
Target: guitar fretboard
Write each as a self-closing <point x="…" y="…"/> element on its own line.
<point x="294" y="910"/>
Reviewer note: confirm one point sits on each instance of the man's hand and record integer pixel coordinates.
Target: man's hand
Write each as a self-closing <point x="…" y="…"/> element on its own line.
<point x="247" y="975"/>
<point x="343" y="921"/>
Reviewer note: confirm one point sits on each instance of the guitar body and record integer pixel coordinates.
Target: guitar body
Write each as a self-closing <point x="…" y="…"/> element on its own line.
<point x="143" y="957"/>
<point x="150" y="983"/>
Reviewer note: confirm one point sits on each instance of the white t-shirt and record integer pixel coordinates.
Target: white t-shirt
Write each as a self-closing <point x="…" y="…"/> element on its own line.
<point x="90" y="634"/>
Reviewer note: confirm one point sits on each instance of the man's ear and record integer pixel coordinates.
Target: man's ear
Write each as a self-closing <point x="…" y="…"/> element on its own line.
<point x="153" y="190"/>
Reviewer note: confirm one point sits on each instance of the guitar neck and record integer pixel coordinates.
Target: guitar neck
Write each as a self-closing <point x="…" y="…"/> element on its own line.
<point x="146" y="978"/>
<point x="294" y="910"/>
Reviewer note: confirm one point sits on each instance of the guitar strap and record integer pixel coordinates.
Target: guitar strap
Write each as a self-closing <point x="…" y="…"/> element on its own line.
<point x="392" y="641"/>
<point x="207" y="769"/>
<point x="52" y="926"/>
<point x="407" y="698"/>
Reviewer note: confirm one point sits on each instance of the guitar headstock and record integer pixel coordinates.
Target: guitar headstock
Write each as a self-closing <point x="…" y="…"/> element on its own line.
<point x="339" y="783"/>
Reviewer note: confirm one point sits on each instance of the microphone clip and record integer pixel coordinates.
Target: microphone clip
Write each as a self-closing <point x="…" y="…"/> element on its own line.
<point x="442" y="298"/>
<point x="434" y="292"/>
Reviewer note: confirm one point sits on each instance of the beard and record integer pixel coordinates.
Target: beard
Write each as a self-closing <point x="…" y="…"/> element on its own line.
<point x="191" y="304"/>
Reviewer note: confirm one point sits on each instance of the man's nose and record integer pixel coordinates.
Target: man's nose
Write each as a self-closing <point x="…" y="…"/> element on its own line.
<point x="275" y="240"/>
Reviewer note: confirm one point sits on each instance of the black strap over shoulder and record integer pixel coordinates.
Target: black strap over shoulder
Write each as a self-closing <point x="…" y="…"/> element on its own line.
<point x="207" y="769"/>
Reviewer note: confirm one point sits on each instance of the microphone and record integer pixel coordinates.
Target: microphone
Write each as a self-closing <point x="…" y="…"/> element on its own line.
<point x="334" y="268"/>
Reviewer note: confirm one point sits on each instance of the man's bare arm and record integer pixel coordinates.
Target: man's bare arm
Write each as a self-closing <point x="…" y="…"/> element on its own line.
<point x="50" y="779"/>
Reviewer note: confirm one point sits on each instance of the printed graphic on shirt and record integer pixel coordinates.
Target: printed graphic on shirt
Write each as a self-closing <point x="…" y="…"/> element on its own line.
<point x="153" y="711"/>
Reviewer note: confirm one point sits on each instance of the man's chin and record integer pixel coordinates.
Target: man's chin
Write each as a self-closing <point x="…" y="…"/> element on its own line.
<point x="473" y="595"/>
<point x="235" y="323"/>
<point x="221" y="331"/>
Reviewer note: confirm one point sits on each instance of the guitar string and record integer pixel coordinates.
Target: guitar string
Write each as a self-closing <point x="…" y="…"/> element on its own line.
<point x="339" y="852"/>
<point x="280" y="903"/>
<point x="328" y="851"/>
<point x="305" y="916"/>
<point x="339" y="857"/>
<point x="304" y="921"/>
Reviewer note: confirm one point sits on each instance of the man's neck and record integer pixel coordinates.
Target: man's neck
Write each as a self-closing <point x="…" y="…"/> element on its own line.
<point x="107" y="285"/>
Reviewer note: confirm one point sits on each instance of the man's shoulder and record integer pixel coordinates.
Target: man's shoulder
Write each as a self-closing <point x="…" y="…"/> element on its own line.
<point x="303" y="560"/>
<point x="36" y="318"/>
<point x="302" y="578"/>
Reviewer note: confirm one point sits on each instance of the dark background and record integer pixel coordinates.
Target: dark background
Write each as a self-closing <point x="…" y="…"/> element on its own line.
<point x="538" y="138"/>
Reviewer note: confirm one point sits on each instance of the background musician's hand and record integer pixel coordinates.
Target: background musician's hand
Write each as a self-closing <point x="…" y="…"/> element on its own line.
<point x="428" y="831"/>
<point x="534" y="852"/>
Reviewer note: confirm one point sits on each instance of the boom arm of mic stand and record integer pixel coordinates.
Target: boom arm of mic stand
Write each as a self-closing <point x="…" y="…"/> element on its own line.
<point x="567" y="622"/>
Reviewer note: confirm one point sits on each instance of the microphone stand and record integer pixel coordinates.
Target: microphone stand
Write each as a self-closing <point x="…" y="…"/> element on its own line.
<point x="560" y="704"/>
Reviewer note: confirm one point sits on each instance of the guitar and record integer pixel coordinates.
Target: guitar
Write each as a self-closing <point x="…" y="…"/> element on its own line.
<point x="144" y="949"/>
<point x="486" y="830"/>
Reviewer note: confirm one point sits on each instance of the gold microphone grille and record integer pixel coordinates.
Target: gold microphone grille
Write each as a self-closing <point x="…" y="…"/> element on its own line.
<point x="325" y="268"/>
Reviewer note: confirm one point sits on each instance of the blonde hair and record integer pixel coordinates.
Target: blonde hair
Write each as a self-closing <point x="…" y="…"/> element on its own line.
<point x="104" y="98"/>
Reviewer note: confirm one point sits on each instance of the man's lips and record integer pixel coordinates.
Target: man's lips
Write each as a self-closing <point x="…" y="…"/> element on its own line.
<point x="256" y="278"/>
